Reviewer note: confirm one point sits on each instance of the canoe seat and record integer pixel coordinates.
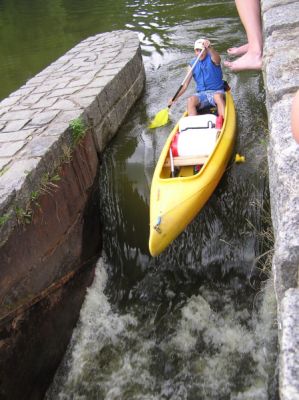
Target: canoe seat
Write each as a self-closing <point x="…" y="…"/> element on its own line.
<point x="196" y="136"/>
<point x="185" y="161"/>
<point x="197" y="122"/>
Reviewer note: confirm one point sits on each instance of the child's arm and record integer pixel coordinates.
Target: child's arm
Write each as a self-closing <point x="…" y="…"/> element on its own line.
<point x="214" y="55"/>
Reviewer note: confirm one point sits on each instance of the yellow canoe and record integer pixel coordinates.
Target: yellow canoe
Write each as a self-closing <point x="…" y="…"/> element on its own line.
<point x="176" y="198"/>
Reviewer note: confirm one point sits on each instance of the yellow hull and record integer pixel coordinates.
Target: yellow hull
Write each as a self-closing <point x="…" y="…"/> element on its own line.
<point x="174" y="202"/>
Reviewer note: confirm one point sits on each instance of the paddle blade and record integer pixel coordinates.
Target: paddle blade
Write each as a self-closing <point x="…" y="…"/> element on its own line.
<point x="160" y="119"/>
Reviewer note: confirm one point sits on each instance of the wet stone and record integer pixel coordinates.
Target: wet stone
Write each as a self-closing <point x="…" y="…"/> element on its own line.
<point x="16" y="136"/>
<point x="283" y="15"/>
<point x="15" y="176"/>
<point x="289" y="387"/>
<point x="43" y="118"/>
<point x="10" y="149"/>
<point x="13" y="126"/>
<point x="38" y="147"/>
<point x="3" y="163"/>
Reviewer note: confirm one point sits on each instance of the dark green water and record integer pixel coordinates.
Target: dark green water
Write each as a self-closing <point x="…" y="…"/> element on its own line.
<point x="34" y="33"/>
<point x="198" y="322"/>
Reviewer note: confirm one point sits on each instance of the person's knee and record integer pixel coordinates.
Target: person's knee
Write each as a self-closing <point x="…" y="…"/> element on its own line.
<point x="218" y="97"/>
<point x="192" y="100"/>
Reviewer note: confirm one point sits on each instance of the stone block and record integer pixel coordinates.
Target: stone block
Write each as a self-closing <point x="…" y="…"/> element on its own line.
<point x="283" y="157"/>
<point x="14" y="178"/>
<point x="56" y="128"/>
<point x="267" y="4"/>
<point x="10" y="101"/>
<point x="16" y="136"/>
<point x="44" y="103"/>
<point x="58" y="93"/>
<point x="63" y="105"/>
<point x="114" y="90"/>
<point x="4" y="163"/>
<point x="31" y="99"/>
<point x="281" y="60"/>
<point x="289" y="347"/>
<point x="284" y="15"/>
<point x="11" y="148"/>
<point x="68" y="116"/>
<point x="15" y="125"/>
<point x="43" y="118"/>
<point x="45" y="88"/>
<point x="38" y="147"/>
<point x="100" y="82"/>
<point x="24" y="115"/>
<point x="103" y="102"/>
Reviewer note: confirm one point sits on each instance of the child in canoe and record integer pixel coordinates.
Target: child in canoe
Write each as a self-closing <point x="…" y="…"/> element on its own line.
<point x="207" y="74"/>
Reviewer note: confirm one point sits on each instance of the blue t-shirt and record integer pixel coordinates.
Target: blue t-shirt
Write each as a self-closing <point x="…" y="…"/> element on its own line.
<point x="207" y="75"/>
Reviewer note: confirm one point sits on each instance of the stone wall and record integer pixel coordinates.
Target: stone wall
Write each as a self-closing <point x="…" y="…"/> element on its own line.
<point x="52" y="131"/>
<point x="281" y="77"/>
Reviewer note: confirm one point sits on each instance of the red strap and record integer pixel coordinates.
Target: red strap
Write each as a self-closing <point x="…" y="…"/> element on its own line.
<point x="219" y="122"/>
<point x="174" y="145"/>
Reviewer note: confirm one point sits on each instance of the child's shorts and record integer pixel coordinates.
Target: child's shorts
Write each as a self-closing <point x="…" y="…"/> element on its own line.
<point x="206" y="98"/>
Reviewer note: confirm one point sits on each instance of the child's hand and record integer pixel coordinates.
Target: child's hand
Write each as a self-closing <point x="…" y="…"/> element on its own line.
<point x="207" y="43"/>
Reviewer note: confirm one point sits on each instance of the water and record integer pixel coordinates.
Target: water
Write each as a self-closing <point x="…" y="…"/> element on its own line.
<point x="197" y="322"/>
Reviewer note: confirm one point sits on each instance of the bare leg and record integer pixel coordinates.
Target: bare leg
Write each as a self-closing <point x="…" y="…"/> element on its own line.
<point x="250" y="15"/>
<point x="220" y="103"/>
<point x="192" y="103"/>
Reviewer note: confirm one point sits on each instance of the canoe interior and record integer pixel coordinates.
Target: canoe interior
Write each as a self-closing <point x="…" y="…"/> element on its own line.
<point x="197" y="163"/>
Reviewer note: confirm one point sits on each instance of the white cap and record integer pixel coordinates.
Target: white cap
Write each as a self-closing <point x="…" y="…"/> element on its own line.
<point x="199" y="44"/>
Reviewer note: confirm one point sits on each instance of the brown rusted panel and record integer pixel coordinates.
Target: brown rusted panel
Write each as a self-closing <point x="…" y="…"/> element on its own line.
<point x="42" y="252"/>
<point x="34" y="339"/>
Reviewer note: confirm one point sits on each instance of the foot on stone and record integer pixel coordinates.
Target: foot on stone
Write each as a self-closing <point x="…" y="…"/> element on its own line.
<point x="238" y="51"/>
<point x="249" y="61"/>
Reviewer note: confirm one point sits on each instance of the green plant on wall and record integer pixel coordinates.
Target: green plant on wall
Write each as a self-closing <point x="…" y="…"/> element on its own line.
<point x="49" y="183"/>
<point x="23" y="216"/>
<point x="34" y="195"/>
<point x="78" y="130"/>
<point x="4" y="218"/>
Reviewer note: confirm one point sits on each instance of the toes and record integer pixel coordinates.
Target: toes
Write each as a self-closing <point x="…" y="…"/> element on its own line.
<point x="231" y="50"/>
<point x="228" y="64"/>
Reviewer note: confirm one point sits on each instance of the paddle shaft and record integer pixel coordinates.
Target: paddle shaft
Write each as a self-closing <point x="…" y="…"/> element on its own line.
<point x="187" y="76"/>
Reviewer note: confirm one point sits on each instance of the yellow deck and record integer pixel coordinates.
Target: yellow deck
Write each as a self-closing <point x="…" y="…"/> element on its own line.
<point x="175" y="201"/>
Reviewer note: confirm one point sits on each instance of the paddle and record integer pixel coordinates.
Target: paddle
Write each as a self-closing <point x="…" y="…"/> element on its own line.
<point x="163" y="116"/>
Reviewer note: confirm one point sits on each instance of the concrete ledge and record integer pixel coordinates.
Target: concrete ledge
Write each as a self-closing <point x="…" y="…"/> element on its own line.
<point x="281" y="77"/>
<point x="98" y="80"/>
<point x="49" y="206"/>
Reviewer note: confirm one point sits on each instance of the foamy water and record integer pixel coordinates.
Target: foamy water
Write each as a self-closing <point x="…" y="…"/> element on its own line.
<point x="205" y="353"/>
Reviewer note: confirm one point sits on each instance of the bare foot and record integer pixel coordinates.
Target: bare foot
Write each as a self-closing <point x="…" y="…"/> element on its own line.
<point x="249" y="61"/>
<point x="238" y="51"/>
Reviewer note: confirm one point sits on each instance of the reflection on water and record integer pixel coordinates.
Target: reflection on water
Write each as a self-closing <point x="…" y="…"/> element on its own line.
<point x="34" y="34"/>
<point x="197" y="322"/>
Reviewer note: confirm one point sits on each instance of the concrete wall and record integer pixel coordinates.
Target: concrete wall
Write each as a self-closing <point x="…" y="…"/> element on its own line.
<point x="281" y="77"/>
<point x="49" y="216"/>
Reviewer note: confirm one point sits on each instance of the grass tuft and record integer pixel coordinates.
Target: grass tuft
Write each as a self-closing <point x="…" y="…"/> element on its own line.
<point x="78" y="130"/>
